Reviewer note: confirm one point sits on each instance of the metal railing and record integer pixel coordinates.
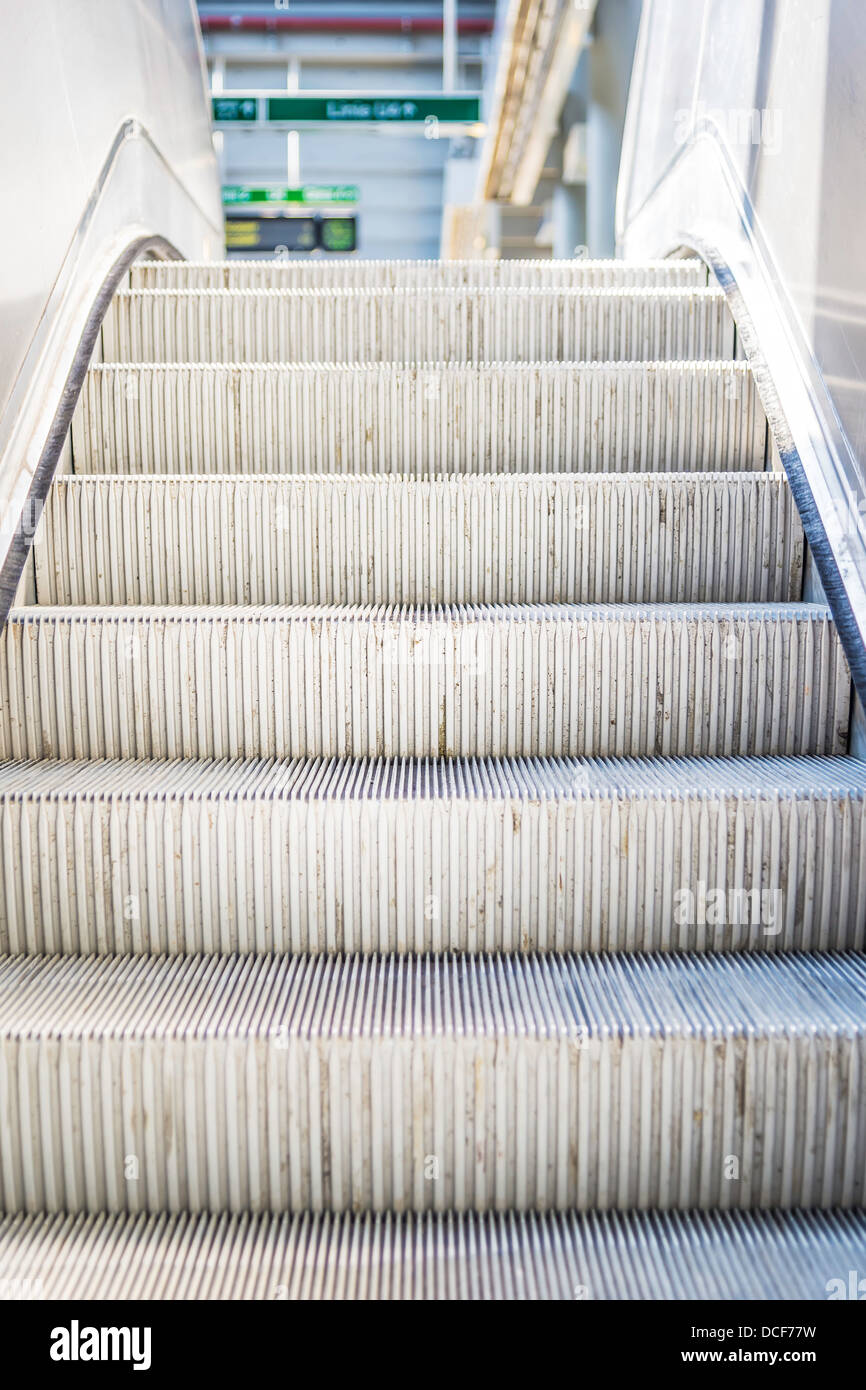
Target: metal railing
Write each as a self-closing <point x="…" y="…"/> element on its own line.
<point x="745" y="143"/>
<point x="112" y="158"/>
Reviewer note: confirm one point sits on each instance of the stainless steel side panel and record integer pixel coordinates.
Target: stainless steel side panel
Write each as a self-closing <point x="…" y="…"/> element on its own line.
<point x="111" y="154"/>
<point x="746" y="141"/>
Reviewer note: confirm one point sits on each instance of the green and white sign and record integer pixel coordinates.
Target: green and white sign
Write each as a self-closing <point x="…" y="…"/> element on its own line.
<point x="235" y="109"/>
<point x="309" y="194"/>
<point x="347" y="109"/>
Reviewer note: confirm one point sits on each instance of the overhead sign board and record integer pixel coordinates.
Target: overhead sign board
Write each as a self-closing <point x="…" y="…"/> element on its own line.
<point x="235" y="109"/>
<point x="257" y="234"/>
<point x="325" y="108"/>
<point x="287" y="234"/>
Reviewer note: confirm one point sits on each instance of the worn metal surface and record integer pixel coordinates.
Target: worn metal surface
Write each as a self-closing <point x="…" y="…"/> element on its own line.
<point x="438" y="418"/>
<point x="376" y="1083"/>
<point x="478" y="854"/>
<point x="542" y="538"/>
<point x="459" y="680"/>
<point x="417" y="325"/>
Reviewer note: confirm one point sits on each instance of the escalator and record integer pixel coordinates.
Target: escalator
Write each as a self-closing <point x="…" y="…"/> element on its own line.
<point x="431" y="863"/>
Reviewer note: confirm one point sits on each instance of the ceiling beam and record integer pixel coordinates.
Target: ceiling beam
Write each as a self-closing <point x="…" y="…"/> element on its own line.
<point x="540" y="44"/>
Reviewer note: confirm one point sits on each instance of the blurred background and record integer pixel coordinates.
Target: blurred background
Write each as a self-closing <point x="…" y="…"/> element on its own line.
<point x="464" y="128"/>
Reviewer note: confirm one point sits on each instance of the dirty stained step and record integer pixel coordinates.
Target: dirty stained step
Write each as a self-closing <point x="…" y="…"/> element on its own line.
<point x="458" y="680"/>
<point x="262" y="1083"/>
<point x="410" y="855"/>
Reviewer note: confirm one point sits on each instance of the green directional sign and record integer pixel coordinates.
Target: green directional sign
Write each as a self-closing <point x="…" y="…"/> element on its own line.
<point x="348" y="109"/>
<point x="353" y="108"/>
<point x="330" y="193"/>
<point x="309" y="194"/>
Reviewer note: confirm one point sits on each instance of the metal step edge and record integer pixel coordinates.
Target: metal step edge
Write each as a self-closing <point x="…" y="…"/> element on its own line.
<point x="531" y="680"/>
<point x="464" y="539"/>
<point x="405" y="294"/>
<point x="451" y="1256"/>
<point x="325" y="325"/>
<point x="436" y="779"/>
<point x="396" y="273"/>
<point x="514" y="856"/>
<point x="432" y="418"/>
<point x="588" y="1082"/>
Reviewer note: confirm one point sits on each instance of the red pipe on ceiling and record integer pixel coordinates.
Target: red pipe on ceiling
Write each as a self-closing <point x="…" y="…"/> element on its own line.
<point x="381" y="24"/>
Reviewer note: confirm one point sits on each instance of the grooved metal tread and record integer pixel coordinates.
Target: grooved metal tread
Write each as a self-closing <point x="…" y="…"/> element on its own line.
<point x="408" y="325"/>
<point x="484" y="1082"/>
<point x="431" y="418"/>
<point x="451" y="680"/>
<point x="435" y="779"/>
<point x="276" y="273"/>
<point x="486" y="854"/>
<point x="660" y="537"/>
<point x="605" y="997"/>
<point x="498" y="1256"/>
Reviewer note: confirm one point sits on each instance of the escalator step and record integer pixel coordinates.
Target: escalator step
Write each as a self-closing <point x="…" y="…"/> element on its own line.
<point x="256" y="1083"/>
<point x="426" y="325"/>
<point x="439" y="418"/>
<point x="502" y="1256"/>
<point x="510" y="855"/>
<point x="278" y="273"/>
<point x="576" y="538"/>
<point x="459" y="680"/>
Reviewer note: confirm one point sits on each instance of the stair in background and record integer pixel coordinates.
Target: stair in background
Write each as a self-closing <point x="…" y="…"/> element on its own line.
<point x="328" y="272"/>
